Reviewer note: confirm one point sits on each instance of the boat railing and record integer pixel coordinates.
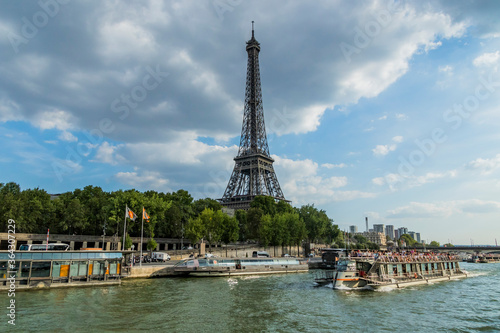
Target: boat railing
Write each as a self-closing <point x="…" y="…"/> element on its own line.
<point x="415" y="258"/>
<point x="411" y="276"/>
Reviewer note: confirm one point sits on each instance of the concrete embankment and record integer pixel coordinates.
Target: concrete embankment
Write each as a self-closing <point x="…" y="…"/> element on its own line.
<point x="148" y="271"/>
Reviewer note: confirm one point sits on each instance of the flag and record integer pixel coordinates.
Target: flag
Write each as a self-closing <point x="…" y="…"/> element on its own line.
<point x="131" y="214"/>
<point x="145" y="215"/>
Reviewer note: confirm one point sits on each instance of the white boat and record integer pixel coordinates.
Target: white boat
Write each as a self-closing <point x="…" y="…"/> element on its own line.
<point x="395" y="271"/>
<point x="233" y="267"/>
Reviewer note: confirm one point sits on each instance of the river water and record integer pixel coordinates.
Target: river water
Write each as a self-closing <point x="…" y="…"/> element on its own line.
<point x="279" y="303"/>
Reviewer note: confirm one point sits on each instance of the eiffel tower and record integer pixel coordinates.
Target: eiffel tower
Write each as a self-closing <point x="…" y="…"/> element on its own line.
<point x="253" y="172"/>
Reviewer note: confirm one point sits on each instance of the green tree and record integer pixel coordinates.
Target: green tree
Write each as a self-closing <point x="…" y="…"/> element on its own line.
<point x="360" y="239"/>
<point x="230" y="230"/>
<point x="241" y="217"/>
<point x="297" y="230"/>
<point x="200" y="204"/>
<point x="265" y="230"/>
<point x="10" y="205"/>
<point x="128" y="242"/>
<point x="279" y="231"/>
<point x="152" y="244"/>
<point x="195" y="230"/>
<point x="434" y="243"/>
<point x="254" y="216"/>
<point x="317" y="223"/>
<point x="266" y="203"/>
<point x="38" y="212"/>
<point x="409" y="241"/>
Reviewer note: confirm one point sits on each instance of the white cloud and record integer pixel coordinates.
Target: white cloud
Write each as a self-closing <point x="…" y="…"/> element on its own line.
<point x="485" y="165"/>
<point x="54" y="119"/>
<point x="332" y="166"/>
<point x="397" y="139"/>
<point x="9" y="110"/>
<point x="446" y="69"/>
<point x="382" y="150"/>
<point x="67" y="136"/>
<point x="397" y="181"/>
<point x="444" y="209"/>
<point x="490" y="60"/>
<point x="106" y="153"/>
<point x="146" y="180"/>
<point x="301" y="182"/>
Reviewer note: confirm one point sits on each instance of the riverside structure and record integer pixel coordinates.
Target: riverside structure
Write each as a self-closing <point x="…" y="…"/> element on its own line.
<point x="53" y="269"/>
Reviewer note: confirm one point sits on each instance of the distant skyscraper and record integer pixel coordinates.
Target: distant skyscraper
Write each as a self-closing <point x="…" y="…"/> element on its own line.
<point x="402" y="231"/>
<point x="353" y="229"/>
<point x="418" y="237"/>
<point x="412" y="234"/>
<point x="396" y="234"/>
<point x="389" y="231"/>
<point x="379" y="228"/>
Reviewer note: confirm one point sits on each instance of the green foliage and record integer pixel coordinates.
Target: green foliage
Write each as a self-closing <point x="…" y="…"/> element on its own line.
<point x="360" y="239"/>
<point x="266" y="204"/>
<point x="128" y="242"/>
<point x="241" y="217"/>
<point x="230" y="229"/>
<point x="434" y="243"/>
<point x="318" y="225"/>
<point x="409" y="241"/>
<point x="152" y="244"/>
<point x="172" y="215"/>
<point x="254" y="216"/>
<point x="265" y="230"/>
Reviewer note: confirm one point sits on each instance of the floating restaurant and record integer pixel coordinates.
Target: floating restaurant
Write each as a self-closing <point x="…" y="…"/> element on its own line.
<point x="51" y="269"/>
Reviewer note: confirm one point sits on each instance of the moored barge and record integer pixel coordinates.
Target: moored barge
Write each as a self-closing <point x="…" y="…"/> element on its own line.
<point x="234" y="267"/>
<point x="51" y="269"/>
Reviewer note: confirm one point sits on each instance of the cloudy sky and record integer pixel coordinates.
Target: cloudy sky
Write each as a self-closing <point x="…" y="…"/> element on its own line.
<point x="381" y="109"/>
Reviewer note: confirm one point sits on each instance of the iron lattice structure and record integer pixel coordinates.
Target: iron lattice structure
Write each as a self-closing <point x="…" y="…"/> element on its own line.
<point x="253" y="173"/>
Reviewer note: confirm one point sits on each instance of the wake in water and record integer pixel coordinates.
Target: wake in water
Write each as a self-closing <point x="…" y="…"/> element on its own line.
<point x="475" y="274"/>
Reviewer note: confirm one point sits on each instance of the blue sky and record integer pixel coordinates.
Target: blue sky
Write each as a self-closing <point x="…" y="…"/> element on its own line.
<point x="381" y="109"/>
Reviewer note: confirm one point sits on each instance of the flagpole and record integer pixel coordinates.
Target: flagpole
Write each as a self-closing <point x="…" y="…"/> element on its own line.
<point x="142" y="231"/>
<point x="124" y="225"/>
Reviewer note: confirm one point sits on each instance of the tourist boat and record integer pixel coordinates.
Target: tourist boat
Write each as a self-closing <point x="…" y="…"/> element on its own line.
<point x="394" y="271"/>
<point x="232" y="267"/>
<point x="489" y="258"/>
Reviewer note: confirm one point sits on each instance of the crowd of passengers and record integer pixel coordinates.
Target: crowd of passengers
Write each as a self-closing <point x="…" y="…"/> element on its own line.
<point x="403" y="256"/>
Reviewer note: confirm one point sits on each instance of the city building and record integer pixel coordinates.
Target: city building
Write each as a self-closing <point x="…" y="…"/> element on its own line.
<point x="375" y="237"/>
<point x="379" y="228"/>
<point x="353" y="229"/>
<point x="412" y="234"/>
<point x="418" y="237"/>
<point x="389" y="231"/>
<point x="402" y="231"/>
<point x="396" y="234"/>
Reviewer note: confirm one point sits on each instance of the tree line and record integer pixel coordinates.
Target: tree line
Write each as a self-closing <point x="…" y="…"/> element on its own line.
<point x="92" y="211"/>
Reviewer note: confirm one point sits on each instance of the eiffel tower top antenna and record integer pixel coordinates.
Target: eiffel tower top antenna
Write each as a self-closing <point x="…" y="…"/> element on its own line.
<point x="252" y="30"/>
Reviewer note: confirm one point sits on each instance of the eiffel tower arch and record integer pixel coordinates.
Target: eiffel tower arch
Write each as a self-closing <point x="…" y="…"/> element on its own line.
<point x="253" y="172"/>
